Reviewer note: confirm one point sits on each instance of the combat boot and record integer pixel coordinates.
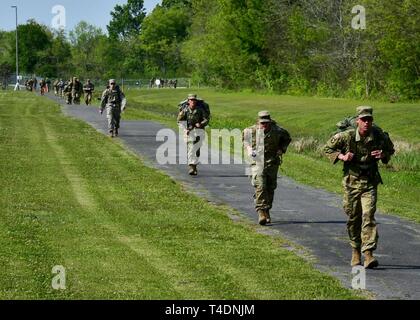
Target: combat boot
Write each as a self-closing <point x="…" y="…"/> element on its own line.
<point x="356" y="257"/>
<point x="111" y="133"/>
<point x="195" y="170"/>
<point x="116" y="132"/>
<point x="191" y="171"/>
<point x="370" y="261"/>
<point x="267" y="216"/>
<point x="262" y="220"/>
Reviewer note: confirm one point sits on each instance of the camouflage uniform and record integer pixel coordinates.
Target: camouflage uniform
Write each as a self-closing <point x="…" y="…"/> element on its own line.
<point x="68" y="88"/>
<point x="88" y="88"/>
<point x="113" y="99"/>
<point x="77" y="90"/>
<point x="192" y="137"/>
<point x="264" y="175"/>
<point x="361" y="179"/>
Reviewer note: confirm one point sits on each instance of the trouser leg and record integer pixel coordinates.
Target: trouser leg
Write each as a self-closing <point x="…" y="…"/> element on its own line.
<point x="369" y="229"/>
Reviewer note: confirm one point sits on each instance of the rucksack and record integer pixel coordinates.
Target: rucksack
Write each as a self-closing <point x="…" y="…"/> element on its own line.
<point x="350" y="123"/>
<point x="201" y="104"/>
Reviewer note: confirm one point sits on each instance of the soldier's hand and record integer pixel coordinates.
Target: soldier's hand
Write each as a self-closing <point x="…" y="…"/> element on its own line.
<point x="347" y="157"/>
<point x="377" y="154"/>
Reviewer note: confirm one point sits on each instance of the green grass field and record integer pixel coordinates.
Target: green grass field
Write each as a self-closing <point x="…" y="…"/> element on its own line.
<point x="311" y="121"/>
<point x="73" y="197"/>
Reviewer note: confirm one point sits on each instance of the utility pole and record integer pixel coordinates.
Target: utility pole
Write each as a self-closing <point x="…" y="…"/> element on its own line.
<point x="17" y="87"/>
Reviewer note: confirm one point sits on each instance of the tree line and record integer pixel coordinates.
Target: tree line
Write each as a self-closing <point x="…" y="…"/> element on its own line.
<point x="305" y="47"/>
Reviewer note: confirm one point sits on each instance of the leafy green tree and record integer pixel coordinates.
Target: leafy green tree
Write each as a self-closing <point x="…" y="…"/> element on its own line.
<point x="84" y="40"/>
<point x="163" y="33"/>
<point x="6" y="61"/>
<point x="127" y="19"/>
<point x="34" y="39"/>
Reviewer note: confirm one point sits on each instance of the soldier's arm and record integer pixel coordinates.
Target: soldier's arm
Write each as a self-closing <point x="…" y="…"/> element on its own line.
<point x="334" y="147"/>
<point x="285" y="140"/>
<point x="205" y="120"/>
<point x="123" y="101"/>
<point x="182" y="116"/>
<point x="388" y="149"/>
<point x="104" y="100"/>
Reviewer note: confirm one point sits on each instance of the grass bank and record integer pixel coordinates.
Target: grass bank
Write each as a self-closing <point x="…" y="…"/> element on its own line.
<point x="73" y="197"/>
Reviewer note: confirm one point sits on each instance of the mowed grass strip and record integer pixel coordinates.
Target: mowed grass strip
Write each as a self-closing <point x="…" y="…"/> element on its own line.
<point x="73" y="197"/>
<point x="311" y="121"/>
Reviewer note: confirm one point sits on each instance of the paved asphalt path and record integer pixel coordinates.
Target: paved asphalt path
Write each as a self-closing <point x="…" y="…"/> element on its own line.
<point x="306" y="216"/>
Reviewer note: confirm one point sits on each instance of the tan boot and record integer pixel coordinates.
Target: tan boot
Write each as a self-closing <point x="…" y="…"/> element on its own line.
<point x="370" y="261"/>
<point x="262" y="220"/>
<point x="267" y="216"/>
<point x="356" y="258"/>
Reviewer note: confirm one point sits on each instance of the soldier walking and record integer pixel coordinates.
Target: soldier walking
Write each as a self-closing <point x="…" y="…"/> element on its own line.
<point x="88" y="88"/>
<point x="68" y="89"/>
<point x="114" y="101"/>
<point x="77" y="90"/>
<point x="194" y="119"/>
<point x="360" y="149"/>
<point x="265" y="143"/>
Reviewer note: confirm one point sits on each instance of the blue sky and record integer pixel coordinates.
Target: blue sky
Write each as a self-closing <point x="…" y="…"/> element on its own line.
<point x="96" y="12"/>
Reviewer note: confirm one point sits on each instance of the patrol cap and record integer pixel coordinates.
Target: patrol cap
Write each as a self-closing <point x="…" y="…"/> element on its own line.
<point x="112" y="81"/>
<point x="264" y="117"/>
<point x="192" y="96"/>
<point x="364" y="111"/>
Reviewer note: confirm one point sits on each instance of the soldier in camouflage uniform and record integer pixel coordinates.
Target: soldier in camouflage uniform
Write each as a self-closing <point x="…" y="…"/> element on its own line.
<point x="361" y="149"/>
<point x="88" y="88"/>
<point x="193" y="118"/>
<point x="68" y="88"/>
<point x="265" y="143"/>
<point x="77" y="90"/>
<point x="113" y="99"/>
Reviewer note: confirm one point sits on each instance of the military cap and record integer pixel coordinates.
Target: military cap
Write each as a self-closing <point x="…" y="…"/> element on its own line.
<point x="264" y="117"/>
<point x="364" y="111"/>
<point x="192" y="96"/>
<point x="112" y="81"/>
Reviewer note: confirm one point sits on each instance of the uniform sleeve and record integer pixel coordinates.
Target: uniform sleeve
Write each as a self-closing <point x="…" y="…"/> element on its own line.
<point x="334" y="147"/>
<point x="285" y="140"/>
<point x="123" y="100"/>
<point x="388" y="149"/>
<point x="248" y="138"/>
<point x="104" y="100"/>
<point x="181" y="116"/>
<point x="205" y="120"/>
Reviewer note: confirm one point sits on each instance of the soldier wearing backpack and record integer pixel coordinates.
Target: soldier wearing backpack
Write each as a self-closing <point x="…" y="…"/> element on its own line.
<point x="113" y="99"/>
<point x="195" y="117"/>
<point x="360" y="149"/>
<point x="266" y="143"/>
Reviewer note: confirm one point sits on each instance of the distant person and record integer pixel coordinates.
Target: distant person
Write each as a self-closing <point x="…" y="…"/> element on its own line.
<point x="43" y="87"/>
<point x="88" y="89"/>
<point x="77" y="90"/>
<point x="266" y="160"/>
<point x="360" y="149"/>
<point x="114" y="101"/>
